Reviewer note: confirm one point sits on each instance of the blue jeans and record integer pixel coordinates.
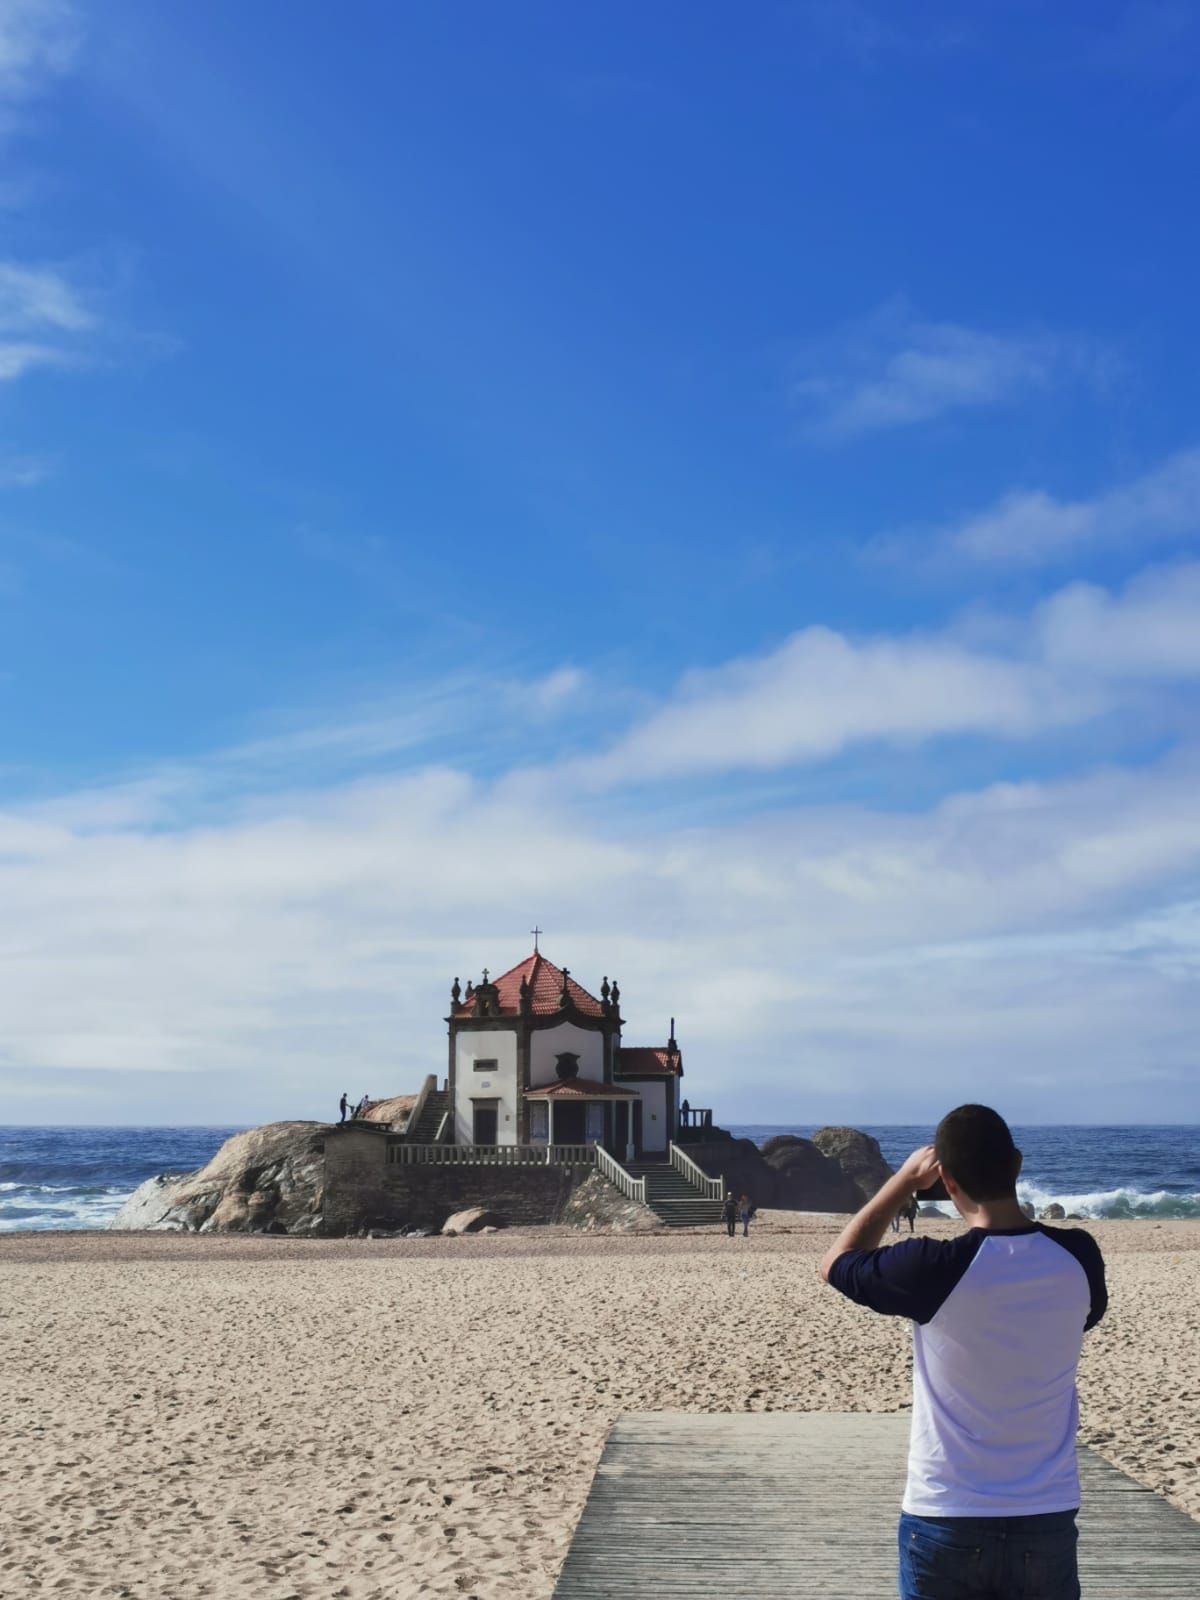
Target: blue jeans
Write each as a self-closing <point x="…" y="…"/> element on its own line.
<point x="988" y="1558"/>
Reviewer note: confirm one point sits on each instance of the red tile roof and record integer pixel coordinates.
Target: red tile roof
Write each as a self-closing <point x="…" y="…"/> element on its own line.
<point x="545" y="985"/>
<point x="580" y="1089"/>
<point x="637" y="1059"/>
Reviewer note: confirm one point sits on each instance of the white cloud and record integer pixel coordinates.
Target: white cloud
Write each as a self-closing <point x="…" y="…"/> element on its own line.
<point x="820" y="692"/>
<point x="40" y="312"/>
<point x="1084" y="652"/>
<point x="893" y="370"/>
<point x="820" y="962"/>
<point x="38" y="41"/>
<point x="237" y="943"/>
<point x="1151" y="630"/>
<point x="23" y="472"/>
<point x="1031" y="527"/>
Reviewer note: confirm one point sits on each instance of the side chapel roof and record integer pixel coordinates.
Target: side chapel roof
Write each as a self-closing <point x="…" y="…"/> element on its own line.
<point x="639" y="1060"/>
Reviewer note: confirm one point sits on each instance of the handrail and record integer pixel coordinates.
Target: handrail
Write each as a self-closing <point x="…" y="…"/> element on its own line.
<point x="441" y="1128"/>
<point x="401" y="1153"/>
<point x="712" y="1188"/>
<point x="427" y="1088"/>
<point x="632" y="1188"/>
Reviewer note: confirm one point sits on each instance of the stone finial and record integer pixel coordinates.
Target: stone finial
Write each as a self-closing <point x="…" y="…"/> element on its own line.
<point x="455" y="991"/>
<point x="605" y="991"/>
<point x="671" y="1045"/>
<point x="616" y="995"/>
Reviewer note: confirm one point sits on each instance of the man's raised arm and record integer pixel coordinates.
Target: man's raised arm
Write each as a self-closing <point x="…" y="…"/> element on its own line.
<point x="866" y="1230"/>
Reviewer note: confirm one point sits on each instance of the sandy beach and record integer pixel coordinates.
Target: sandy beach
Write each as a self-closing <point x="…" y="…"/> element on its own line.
<point x="190" y="1417"/>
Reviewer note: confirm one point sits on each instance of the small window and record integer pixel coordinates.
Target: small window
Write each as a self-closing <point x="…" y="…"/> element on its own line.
<point x="486" y="1066"/>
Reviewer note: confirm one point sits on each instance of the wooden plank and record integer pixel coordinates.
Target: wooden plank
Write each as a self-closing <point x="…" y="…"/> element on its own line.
<point x="776" y="1504"/>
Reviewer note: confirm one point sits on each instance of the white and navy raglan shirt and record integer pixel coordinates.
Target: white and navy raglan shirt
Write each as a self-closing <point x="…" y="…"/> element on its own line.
<point x="998" y="1322"/>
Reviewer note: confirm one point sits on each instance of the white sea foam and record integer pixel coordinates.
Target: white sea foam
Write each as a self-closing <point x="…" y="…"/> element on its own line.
<point x="1121" y="1202"/>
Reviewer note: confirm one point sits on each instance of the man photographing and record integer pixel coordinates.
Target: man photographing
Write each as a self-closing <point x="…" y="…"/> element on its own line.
<point x="998" y="1316"/>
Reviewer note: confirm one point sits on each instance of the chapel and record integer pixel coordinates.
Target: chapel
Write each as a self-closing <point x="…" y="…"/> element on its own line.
<point x="536" y="1059"/>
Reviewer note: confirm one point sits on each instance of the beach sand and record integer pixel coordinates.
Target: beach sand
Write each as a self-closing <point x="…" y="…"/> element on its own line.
<point x="188" y="1417"/>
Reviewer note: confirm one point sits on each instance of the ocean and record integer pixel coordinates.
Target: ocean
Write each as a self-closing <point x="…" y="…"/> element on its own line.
<point x="78" y="1177"/>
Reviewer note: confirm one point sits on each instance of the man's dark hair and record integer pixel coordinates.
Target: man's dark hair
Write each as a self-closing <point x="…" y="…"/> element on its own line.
<point x="975" y="1147"/>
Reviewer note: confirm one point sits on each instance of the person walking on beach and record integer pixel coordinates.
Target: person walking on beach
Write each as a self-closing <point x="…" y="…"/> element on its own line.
<point x="993" y="1484"/>
<point x="730" y="1213"/>
<point x="744" y="1209"/>
<point x="344" y="1105"/>
<point x="909" y="1213"/>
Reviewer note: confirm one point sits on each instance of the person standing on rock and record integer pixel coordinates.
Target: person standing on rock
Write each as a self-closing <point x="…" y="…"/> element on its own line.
<point x="344" y="1105"/>
<point x="744" y="1210"/>
<point x="999" y="1314"/>
<point x="729" y="1211"/>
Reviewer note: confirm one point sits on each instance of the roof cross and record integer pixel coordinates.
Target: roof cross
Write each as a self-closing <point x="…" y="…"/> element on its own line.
<point x="485" y="974"/>
<point x="536" y="932"/>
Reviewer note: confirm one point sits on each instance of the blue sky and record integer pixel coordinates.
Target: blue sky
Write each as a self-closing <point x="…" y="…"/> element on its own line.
<point x="722" y="485"/>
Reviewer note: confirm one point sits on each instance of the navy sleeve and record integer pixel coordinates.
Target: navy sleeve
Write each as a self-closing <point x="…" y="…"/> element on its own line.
<point x="1087" y="1252"/>
<point x="911" y="1279"/>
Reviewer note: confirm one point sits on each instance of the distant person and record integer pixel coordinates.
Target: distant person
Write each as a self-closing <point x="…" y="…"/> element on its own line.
<point x="896" y="1219"/>
<point x="744" y="1211"/>
<point x="344" y="1106"/>
<point x="684" y="1109"/>
<point x="909" y="1213"/>
<point x="729" y="1212"/>
<point x="999" y="1314"/>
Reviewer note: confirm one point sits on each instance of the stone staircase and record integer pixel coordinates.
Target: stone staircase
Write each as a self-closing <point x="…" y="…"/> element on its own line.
<point x="424" y="1130"/>
<point x="672" y="1197"/>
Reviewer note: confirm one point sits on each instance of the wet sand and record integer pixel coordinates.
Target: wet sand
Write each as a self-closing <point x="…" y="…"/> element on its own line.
<point x="191" y="1417"/>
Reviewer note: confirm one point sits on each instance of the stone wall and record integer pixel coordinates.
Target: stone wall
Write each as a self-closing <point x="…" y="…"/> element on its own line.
<point x="362" y="1191"/>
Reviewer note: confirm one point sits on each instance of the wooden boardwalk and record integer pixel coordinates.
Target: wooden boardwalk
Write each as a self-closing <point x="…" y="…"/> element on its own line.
<point x="766" y="1506"/>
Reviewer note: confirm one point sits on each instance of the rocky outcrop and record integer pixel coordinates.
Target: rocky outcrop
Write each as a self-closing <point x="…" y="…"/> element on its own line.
<point x="807" y="1178"/>
<point x="266" y="1180"/>
<point x="394" y="1111"/>
<point x="858" y="1156"/>
<point x="1053" y="1212"/>
<point x="794" y="1174"/>
<point x="597" y="1206"/>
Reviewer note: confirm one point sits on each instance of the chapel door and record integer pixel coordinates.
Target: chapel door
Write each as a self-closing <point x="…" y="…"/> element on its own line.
<point x="484" y="1121"/>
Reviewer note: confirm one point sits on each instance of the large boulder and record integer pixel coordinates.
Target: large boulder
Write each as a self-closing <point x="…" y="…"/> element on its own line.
<point x="266" y="1180"/>
<point x="809" y="1179"/>
<point x="395" y="1111"/>
<point x="472" y="1220"/>
<point x="787" y="1174"/>
<point x="858" y="1156"/>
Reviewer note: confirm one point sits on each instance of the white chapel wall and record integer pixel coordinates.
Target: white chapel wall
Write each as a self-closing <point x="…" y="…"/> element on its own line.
<point x="546" y="1043"/>
<point x="500" y="1083"/>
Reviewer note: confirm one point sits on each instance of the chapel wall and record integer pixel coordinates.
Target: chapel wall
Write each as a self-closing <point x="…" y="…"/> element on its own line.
<point x="546" y="1043"/>
<point x="499" y="1083"/>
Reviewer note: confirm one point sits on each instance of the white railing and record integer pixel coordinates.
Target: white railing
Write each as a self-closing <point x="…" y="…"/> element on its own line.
<point x="402" y="1154"/>
<point x="632" y="1188"/>
<point x="441" y="1128"/>
<point x="711" y="1188"/>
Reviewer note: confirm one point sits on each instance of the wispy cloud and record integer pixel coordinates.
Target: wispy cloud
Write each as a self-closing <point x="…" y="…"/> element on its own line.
<point x="1030" y="527"/>
<point x="42" y="316"/>
<point x="23" y="472"/>
<point x="1083" y="653"/>
<point x="894" y="370"/>
<point x="39" y="40"/>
